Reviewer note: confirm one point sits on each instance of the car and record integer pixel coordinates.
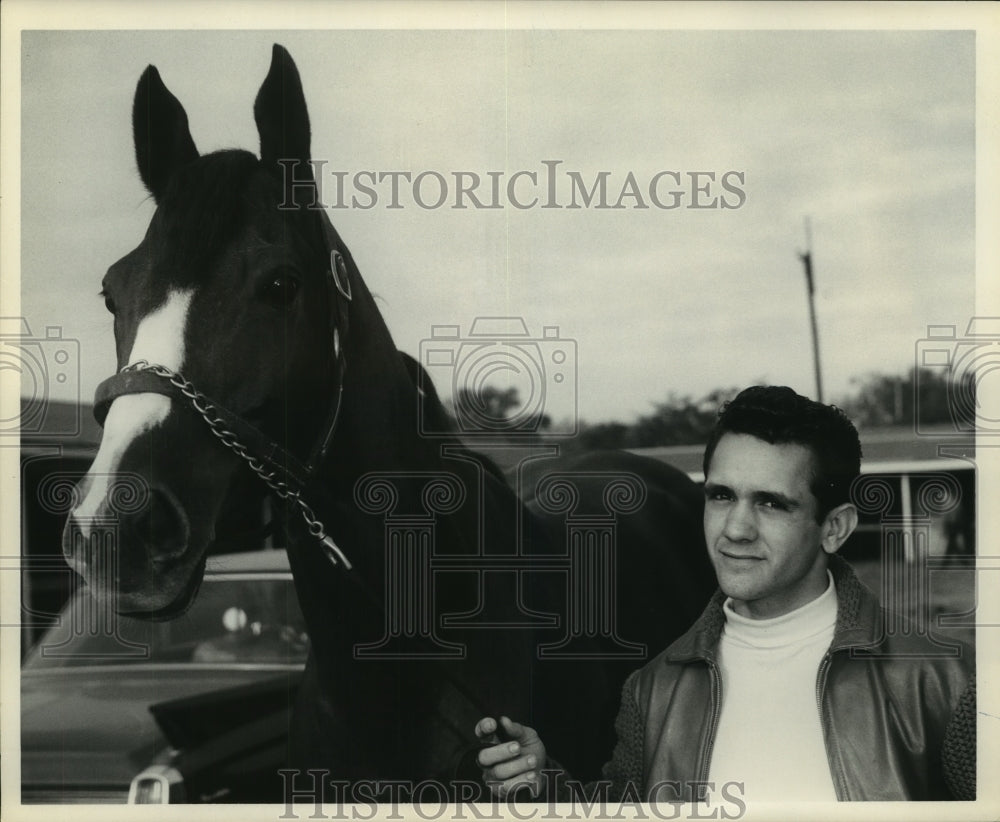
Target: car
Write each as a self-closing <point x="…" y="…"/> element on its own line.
<point x="195" y="709"/>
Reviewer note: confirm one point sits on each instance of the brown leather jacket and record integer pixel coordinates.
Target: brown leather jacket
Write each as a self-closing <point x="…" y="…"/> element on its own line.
<point x="898" y="716"/>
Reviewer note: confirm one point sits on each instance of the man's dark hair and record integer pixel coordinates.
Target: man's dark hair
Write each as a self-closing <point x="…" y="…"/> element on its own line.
<point x="778" y="415"/>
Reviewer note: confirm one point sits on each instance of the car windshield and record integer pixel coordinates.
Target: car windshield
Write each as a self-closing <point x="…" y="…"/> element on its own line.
<point x="241" y="619"/>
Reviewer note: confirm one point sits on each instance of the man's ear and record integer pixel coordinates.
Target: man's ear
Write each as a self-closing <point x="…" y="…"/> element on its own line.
<point x="838" y="525"/>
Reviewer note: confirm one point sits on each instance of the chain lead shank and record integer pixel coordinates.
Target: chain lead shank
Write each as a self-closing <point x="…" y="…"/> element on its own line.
<point x="216" y="425"/>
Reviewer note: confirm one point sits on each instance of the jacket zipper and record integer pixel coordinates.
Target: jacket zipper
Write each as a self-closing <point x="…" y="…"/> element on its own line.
<point x="824" y="666"/>
<point x="716" y="691"/>
<point x="715" y="683"/>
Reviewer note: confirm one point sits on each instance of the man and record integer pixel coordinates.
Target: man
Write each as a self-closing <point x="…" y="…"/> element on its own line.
<point x="787" y="685"/>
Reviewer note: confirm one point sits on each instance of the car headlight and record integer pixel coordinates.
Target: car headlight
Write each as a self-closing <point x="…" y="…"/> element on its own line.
<point x="157" y="785"/>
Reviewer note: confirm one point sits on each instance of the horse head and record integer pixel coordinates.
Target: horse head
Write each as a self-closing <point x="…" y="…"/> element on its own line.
<point x="230" y="322"/>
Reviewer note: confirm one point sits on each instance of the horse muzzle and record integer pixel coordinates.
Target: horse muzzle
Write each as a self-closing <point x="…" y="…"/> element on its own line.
<point x="143" y="516"/>
<point x="119" y="547"/>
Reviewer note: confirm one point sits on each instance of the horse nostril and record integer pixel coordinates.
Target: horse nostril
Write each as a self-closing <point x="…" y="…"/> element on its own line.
<point x="162" y="525"/>
<point x="76" y="540"/>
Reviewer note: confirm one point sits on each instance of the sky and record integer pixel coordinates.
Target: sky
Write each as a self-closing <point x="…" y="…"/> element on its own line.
<point x="859" y="143"/>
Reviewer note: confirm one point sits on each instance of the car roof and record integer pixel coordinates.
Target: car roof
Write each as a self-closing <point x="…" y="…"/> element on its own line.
<point x="266" y="561"/>
<point x="894" y="467"/>
<point x="894" y="451"/>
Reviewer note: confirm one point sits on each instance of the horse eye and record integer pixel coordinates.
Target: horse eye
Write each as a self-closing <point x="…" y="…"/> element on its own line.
<point x="279" y="289"/>
<point x="109" y="303"/>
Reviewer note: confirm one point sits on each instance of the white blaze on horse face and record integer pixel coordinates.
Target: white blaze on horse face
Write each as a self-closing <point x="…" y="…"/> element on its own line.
<point x="159" y="339"/>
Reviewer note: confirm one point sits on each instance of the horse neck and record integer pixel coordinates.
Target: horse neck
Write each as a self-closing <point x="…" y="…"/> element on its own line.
<point x="377" y="430"/>
<point x="379" y="433"/>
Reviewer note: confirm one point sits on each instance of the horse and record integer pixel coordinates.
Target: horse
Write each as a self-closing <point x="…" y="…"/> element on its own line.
<point x="250" y="349"/>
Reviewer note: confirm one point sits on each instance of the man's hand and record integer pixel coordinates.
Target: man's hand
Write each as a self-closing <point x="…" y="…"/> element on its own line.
<point x="512" y="763"/>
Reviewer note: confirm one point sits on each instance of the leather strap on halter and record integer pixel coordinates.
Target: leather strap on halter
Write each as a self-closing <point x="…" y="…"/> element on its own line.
<point x="130" y="382"/>
<point x="294" y="473"/>
<point x="339" y="288"/>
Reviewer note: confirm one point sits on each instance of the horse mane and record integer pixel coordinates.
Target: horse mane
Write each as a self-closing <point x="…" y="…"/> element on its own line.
<point x="434" y="411"/>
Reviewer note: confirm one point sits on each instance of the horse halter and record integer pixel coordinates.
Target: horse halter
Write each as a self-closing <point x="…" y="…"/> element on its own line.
<point x="282" y="472"/>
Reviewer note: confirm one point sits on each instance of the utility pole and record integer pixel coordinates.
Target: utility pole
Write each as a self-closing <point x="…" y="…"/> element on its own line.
<point x="806" y="258"/>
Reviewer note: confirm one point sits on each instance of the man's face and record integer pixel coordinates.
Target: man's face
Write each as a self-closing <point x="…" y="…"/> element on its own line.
<point x="760" y="526"/>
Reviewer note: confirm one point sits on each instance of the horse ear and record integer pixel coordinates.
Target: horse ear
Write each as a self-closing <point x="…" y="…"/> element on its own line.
<point x="283" y="120"/>
<point x="160" y="128"/>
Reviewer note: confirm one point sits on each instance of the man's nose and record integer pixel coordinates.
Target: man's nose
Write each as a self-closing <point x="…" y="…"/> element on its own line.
<point x="740" y="523"/>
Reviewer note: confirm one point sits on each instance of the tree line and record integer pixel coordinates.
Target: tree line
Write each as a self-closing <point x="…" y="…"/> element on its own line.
<point x="921" y="395"/>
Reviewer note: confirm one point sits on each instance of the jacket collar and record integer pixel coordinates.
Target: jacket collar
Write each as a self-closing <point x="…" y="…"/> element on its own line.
<point x="858" y="621"/>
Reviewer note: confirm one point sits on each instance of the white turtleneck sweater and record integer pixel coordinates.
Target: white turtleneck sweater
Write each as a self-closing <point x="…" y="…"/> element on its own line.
<point x="769" y="735"/>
